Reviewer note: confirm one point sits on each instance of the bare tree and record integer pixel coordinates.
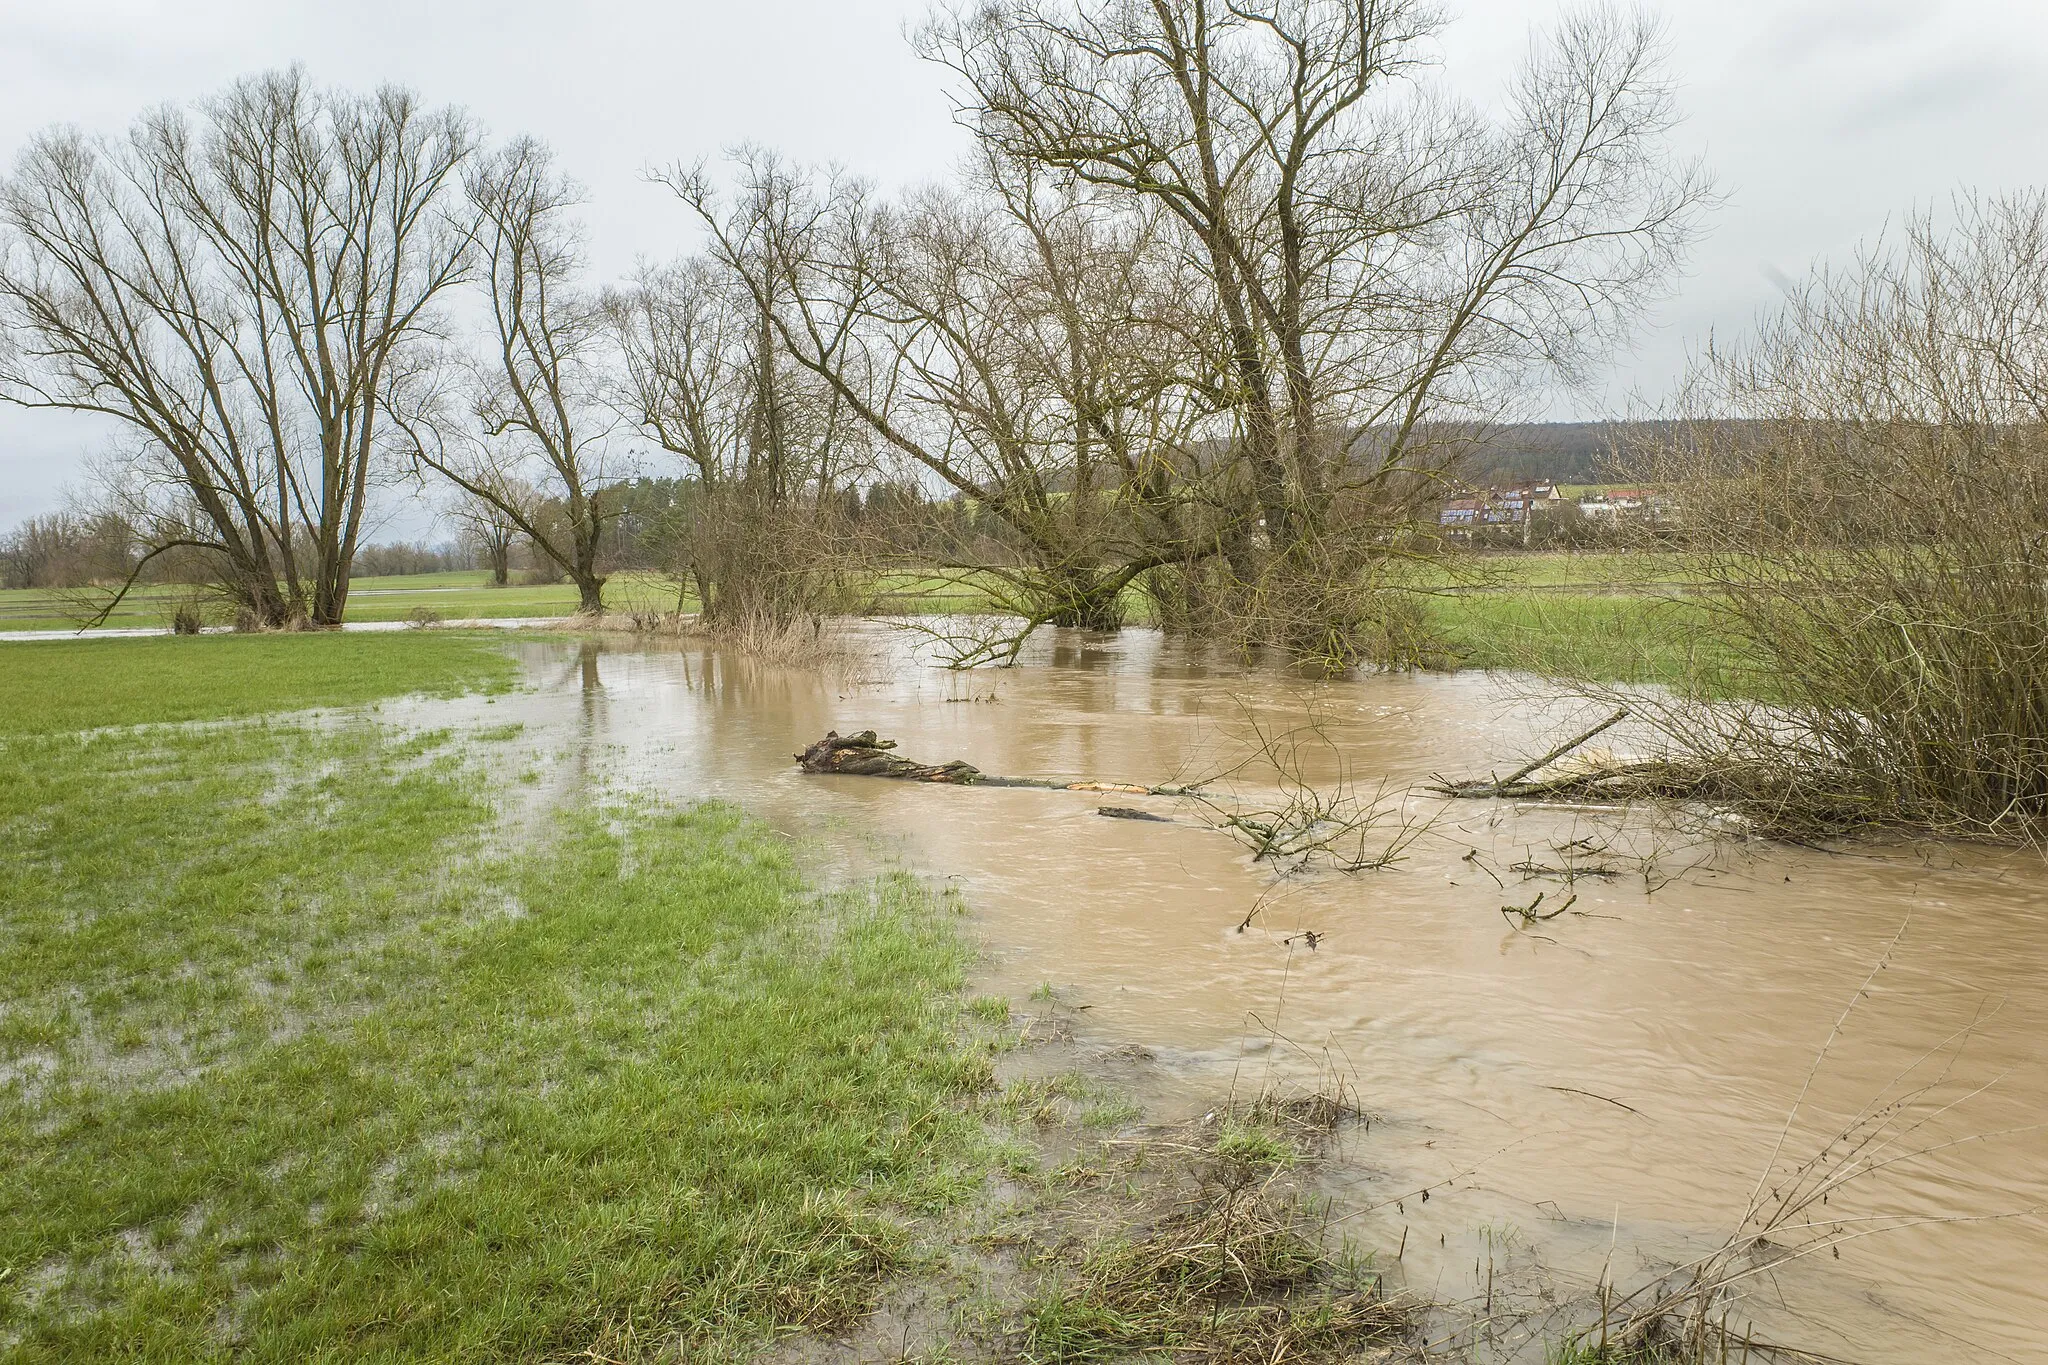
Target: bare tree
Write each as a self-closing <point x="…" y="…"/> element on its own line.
<point x="486" y="527"/>
<point x="1382" y="261"/>
<point x="776" y="451"/>
<point x="685" y="333"/>
<point x="236" y="289"/>
<point x="1042" y="358"/>
<point x="526" y="431"/>
<point x="1012" y="341"/>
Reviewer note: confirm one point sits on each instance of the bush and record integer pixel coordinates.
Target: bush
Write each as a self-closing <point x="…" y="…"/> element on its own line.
<point x="1866" y="490"/>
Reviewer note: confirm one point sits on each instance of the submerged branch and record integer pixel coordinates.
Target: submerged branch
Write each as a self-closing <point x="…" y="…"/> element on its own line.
<point x="1513" y="784"/>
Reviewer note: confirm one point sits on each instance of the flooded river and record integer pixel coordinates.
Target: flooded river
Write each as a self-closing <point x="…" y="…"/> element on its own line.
<point x="1600" y="1090"/>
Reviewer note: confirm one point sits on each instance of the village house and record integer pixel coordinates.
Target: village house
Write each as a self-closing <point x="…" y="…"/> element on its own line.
<point x="1501" y="507"/>
<point x="1462" y="512"/>
<point x="1515" y="507"/>
<point x="1616" y="503"/>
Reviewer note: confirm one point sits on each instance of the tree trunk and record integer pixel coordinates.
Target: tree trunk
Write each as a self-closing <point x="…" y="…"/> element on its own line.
<point x="259" y="604"/>
<point x="1090" y="605"/>
<point x="330" y="602"/>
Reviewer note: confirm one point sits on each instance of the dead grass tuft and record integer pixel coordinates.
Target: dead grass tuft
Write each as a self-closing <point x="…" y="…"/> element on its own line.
<point x="1224" y="1260"/>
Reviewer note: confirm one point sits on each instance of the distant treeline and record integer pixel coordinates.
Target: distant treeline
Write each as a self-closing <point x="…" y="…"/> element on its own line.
<point x="648" y="531"/>
<point x="650" y="525"/>
<point x="75" y="550"/>
<point x="1563" y="452"/>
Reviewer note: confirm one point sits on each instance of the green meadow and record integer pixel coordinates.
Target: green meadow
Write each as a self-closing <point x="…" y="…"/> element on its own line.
<point x="462" y="595"/>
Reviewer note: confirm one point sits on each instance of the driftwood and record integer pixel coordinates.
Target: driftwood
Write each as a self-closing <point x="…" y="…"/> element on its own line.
<point x="1615" y="781"/>
<point x="867" y="755"/>
<point x="1307" y="824"/>
<point x="1575" y="784"/>
<point x="864" y="755"/>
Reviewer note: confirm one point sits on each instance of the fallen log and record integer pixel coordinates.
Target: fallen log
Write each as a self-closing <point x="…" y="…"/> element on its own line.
<point x="1746" y="800"/>
<point x="867" y="755"/>
<point x="1616" y="781"/>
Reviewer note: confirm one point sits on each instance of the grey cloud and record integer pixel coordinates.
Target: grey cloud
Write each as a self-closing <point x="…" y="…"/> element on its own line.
<point x="1957" y="87"/>
<point x="1811" y="32"/>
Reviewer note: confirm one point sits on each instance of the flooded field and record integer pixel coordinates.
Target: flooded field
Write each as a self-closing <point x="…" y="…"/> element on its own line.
<point x="1603" y="1090"/>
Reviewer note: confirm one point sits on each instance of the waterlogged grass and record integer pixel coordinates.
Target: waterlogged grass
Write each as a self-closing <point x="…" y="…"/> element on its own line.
<point x="54" y="685"/>
<point x="1218" y="1257"/>
<point x="296" y="1063"/>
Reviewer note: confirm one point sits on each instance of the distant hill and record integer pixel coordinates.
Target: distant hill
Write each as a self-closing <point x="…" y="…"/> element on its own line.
<point x="1565" y="452"/>
<point x="1560" y="452"/>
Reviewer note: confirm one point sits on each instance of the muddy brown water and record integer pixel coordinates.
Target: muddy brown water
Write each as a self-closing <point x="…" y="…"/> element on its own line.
<point x="1597" y="1092"/>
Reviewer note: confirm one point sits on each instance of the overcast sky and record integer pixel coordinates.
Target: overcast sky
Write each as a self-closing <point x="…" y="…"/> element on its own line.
<point x="1822" y="118"/>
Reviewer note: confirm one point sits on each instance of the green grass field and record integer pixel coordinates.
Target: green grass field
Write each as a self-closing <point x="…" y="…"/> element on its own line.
<point x="1603" y="616"/>
<point x="466" y="595"/>
<point x="1603" y="638"/>
<point x="298" y="1061"/>
<point x="470" y="595"/>
<point x="1591" y="571"/>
